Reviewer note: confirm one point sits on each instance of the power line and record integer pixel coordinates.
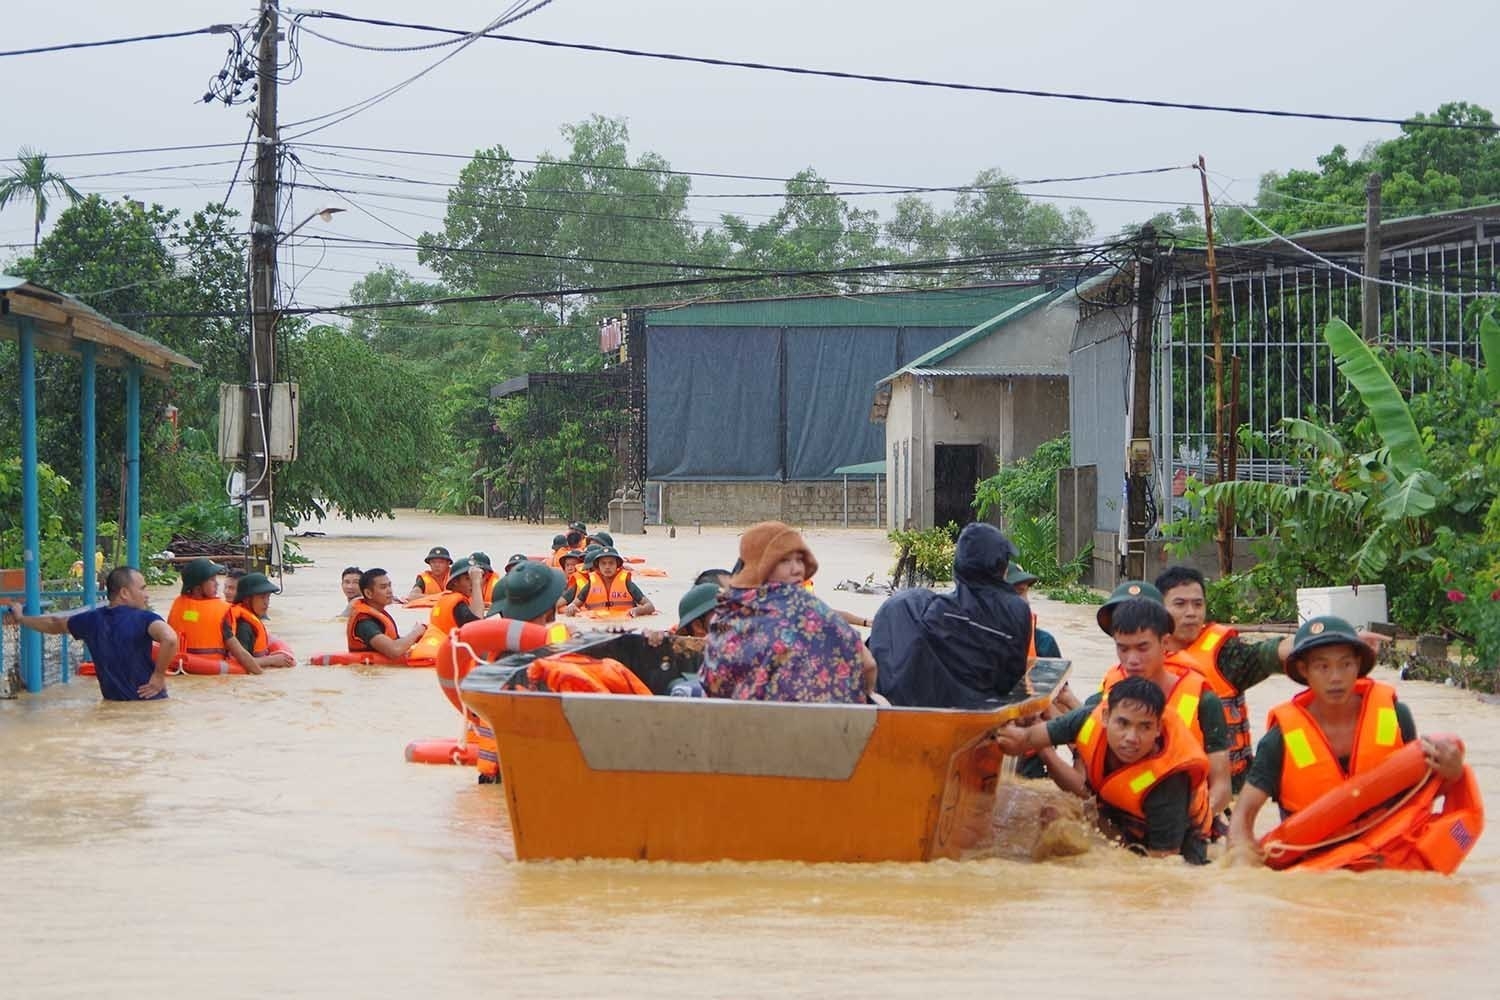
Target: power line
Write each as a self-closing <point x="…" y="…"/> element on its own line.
<point x="591" y="290"/>
<point x="918" y="82"/>
<point x="213" y="29"/>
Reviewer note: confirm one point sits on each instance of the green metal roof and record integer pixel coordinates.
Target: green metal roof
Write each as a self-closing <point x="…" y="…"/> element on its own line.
<point x="956" y="307"/>
<point x="976" y="333"/>
<point x="862" y="469"/>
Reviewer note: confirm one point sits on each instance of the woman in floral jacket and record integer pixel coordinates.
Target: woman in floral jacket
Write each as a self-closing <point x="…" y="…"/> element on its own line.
<point x="773" y="639"/>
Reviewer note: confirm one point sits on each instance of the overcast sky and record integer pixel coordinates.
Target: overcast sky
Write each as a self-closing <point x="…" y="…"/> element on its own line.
<point x="1376" y="57"/>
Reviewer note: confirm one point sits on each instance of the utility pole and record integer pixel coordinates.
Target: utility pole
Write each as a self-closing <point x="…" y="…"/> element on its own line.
<point x="1138" y="450"/>
<point x="258" y="473"/>
<point x="1224" y="448"/>
<point x="1369" y="291"/>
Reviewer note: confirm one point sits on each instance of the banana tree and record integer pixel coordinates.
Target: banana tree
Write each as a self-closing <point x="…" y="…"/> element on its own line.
<point x="1383" y="504"/>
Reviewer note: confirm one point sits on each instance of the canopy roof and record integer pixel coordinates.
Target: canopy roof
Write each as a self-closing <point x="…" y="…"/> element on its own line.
<point x="64" y="324"/>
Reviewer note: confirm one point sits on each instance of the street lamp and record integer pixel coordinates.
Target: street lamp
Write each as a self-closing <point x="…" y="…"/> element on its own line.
<point x="325" y="214"/>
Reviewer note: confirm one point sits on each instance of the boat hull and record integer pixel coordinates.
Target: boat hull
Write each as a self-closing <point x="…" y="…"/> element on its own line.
<point x="694" y="779"/>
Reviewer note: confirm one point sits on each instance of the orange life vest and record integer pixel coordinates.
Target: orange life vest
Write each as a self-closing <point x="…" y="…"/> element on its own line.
<point x="431" y="584"/>
<point x="1203" y="657"/>
<point x="199" y="621"/>
<point x="239" y="613"/>
<point x="1126" y="787"/>
<point x="1031" y="646"/>
<point x="571" y="672"/>
<point x="1309" y="767"/>
<point x="359" y="610"/>
<point x="442" y="617"/>
<point x="614" y="594"/>
<point x="1183" y="702"/>
<point x="487" y="586"/>
<point x="556" y="559"/>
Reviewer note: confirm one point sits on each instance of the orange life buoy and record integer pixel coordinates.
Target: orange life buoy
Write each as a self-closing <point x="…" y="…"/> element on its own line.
<point x="1354" y="827"/>
<point x="486" y="641"/>
<point x="442" y="752"/>
<point x="368" y="658"/>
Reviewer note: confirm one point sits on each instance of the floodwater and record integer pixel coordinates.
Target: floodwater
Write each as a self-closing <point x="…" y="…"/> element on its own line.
<point x="263" y="837"/>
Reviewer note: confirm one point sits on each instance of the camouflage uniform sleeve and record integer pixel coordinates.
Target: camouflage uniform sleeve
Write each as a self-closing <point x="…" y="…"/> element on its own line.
<point x="1246" y="664"/>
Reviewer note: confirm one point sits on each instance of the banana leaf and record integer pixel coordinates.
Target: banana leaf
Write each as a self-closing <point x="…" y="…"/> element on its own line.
<point x="1392" y="417"/>
<point x="1323" y="440"/>
<point x="1418" y="494"/>
<point x="1489" y="342"/>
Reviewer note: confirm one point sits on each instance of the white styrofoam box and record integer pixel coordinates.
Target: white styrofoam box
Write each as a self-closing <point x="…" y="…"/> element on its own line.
<point x="1358" y="608"/>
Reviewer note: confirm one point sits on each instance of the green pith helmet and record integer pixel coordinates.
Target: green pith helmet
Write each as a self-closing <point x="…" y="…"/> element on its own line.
<point x="696" y="603"/>
<point x="530" y="589"/>
<point x="590" y="554"/>
<point x="200" y="571"/>
<point x="252" y="584"/>
<point x="1327" y="630"/>
<point x="1126" y="591"/>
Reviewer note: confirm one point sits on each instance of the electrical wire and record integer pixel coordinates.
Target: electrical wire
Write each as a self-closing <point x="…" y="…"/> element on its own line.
<point x="593" y="290"/>
<point x="918" y="82"/>
<point x="511" y="15"/>
<point x="1326" y="262"/>
<point x="213" y="29"/>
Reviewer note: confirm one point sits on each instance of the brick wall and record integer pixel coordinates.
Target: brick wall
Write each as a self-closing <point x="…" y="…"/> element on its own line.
<point x="814" y="504"/>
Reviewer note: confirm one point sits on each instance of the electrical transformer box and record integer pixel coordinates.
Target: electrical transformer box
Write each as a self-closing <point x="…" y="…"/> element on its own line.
<point x="234" y="410"/>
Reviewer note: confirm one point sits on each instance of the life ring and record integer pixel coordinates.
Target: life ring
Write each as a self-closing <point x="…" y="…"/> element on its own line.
<point x="276" y="645"/>
<point x="1356" y="825"/>
<point x="442" y="752"/>
<point x="485" y="641"/>
<point x="365" y="659"/>
<point x="647" y="571"/>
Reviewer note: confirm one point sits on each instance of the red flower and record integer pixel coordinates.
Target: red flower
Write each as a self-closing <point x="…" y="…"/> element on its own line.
<point x="1495" y="595"/>
<point x="1456" y="596"/>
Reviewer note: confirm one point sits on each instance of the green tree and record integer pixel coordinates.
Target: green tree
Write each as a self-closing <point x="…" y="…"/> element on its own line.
<point x="367" y="429"/>
<point x="993" y="216"/>
<point x="35" y="181"/>
<point x="1423" y="170"/>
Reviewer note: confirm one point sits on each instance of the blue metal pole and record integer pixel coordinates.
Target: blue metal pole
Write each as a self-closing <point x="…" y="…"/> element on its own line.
<point x="31" y="541"/>
<point x="133" y="465"/>
<point x="90" y="484"/>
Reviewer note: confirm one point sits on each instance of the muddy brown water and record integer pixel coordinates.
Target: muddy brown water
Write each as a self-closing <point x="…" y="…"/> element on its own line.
<point x="263" y="836"/>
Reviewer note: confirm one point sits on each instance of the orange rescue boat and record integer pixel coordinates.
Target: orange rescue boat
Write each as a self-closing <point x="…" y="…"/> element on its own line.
<point x="700" y="779"/>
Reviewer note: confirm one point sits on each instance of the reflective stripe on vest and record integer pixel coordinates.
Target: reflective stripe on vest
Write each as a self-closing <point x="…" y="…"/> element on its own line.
<point x="1309" y="767"/>
<point x="614" y="594"/>
<point x="200" y="623"/>
<point x="1183" y="701"/>
<point x="1203" y="657"/>
<point x="1125" y="787"/>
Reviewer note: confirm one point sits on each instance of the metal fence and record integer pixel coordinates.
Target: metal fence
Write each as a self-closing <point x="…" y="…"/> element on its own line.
<point x="60" y="654"/>
<point x="1273" y="308"/>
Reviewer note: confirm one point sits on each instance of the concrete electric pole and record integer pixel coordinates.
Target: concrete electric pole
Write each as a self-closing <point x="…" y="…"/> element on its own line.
<point x="258" y="474"/>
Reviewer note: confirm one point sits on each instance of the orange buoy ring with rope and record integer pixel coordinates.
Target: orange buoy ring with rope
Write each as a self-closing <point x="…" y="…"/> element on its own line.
<point x="1358" y="826"/>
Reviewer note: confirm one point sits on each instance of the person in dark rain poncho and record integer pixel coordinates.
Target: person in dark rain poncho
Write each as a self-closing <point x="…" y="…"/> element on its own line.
<point x="960" y="649"/>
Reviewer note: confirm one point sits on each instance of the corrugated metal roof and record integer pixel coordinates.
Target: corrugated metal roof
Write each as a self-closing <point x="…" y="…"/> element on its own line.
<point x="976" y="333"/>
<point x="862" y="469"/>
<point x="991" y="371"/>
<point x="956" y="307"/>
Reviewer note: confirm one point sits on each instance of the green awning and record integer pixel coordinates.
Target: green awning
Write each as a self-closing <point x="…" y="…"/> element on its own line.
<point x="862" y="469"/>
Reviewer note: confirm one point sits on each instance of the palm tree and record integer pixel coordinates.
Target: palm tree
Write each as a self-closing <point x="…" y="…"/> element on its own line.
<point x="33" y="180"/>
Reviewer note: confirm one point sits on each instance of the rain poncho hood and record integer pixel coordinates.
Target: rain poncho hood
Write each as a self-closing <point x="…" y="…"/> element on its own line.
<point x="962" y="649"/>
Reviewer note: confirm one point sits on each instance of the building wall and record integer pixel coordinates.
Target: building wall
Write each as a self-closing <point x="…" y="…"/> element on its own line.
<point x="1099" y="373"/>
<point x="1006" y="417"/>
<point x="812" y="504"/>
<point x="1039" y="340"/>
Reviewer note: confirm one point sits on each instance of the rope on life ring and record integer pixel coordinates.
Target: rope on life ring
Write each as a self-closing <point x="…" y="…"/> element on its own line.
<point x="1276" y="848"/>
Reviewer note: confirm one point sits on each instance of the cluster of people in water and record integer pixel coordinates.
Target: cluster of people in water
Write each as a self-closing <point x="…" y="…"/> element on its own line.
<point x="1163" y="747"/>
